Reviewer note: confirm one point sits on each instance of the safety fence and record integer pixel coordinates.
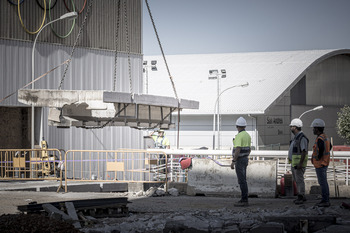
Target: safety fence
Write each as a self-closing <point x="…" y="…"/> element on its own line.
<point x="30" y="164"/>
<point x="115" y="166"/>
<point x="126" y="165"/>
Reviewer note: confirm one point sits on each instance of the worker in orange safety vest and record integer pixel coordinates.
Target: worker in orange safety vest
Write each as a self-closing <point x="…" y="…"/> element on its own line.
<point x="320" y="159"/>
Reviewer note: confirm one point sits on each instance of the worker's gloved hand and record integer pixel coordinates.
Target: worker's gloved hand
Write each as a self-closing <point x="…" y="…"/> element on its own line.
<point x="233" y="165"/>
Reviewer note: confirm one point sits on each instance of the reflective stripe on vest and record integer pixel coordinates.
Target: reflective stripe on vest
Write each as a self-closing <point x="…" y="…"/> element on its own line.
<point x="324" y="161"/>
<point x="245" y="151"/>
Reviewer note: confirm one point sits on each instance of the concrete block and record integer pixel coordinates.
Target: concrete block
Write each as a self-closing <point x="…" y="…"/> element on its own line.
<point x="147" y="186"/>
<point x="114" y="187"/>
<point x="344" y="191"/>
<point x="135" y="187"/>
<point x="181" y="187"/>
<point x="209" y="178"/>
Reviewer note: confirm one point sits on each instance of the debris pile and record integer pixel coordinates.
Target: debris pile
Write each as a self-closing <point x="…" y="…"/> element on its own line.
<point x="19" y="223"/>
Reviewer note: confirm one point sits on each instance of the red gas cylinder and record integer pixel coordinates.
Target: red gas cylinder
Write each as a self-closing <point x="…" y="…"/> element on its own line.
<point x="185" y="163"/>
<point x="283" y="186"/>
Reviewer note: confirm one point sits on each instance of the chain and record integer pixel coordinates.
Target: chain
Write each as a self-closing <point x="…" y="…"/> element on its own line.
<point x="128" y="47"/>
<point x="75" y="43"/>
<point x="161" y="48"/>
<point x="116" y="47"/>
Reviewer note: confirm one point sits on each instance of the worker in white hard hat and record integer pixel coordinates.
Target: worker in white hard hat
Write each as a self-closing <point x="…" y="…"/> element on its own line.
<point x="298" y="157"/>
<point x="160" y="141"/>
<point x="240" y="153"/>
<point x="320" y="159"/>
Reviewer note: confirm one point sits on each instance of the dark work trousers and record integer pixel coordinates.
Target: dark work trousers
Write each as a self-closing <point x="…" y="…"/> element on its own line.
<point x="241" y="171"/>
<point x="322" y="180"/>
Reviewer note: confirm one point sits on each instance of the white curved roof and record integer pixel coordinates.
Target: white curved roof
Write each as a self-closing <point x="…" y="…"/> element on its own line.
<point x="269" y="74"/>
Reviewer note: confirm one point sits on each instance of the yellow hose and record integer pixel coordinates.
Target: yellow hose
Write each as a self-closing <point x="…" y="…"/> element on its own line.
<point x="20" y="19"/>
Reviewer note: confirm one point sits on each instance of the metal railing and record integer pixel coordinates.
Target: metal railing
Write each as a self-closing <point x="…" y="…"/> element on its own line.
<point x="115" y="166"/>
<point x="338" y="172"/>
<point x="30" y="164"/>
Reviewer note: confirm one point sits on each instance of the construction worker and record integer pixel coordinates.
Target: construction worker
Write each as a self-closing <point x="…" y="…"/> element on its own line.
<point x="298" y="157"/>
<point x="320" y="159"/>
<point x="160" y="141"/>
<point x="240" y="153"/>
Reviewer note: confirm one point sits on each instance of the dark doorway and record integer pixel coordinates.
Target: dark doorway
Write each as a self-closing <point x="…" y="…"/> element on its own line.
<point x="15" y="128"/>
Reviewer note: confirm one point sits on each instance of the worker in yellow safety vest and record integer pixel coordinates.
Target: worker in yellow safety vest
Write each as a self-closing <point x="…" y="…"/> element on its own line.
<point x="320" y="159"/>
<point x="297" y="156"/>
<point x="240" y="153"/>
<point x="160" y="141"/>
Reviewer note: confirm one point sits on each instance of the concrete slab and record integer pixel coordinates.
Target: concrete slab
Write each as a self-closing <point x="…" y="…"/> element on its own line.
<point x="94" y="108"/>
<point x="208" y="177"/>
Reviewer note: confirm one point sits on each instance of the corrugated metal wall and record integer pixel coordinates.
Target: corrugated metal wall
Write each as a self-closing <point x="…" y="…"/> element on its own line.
<point x="99" y="30"/>
<point x="89" y="69"/>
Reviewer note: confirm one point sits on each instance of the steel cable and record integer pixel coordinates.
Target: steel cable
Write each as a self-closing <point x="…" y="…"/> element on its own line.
<point x="20" y="18"/>
<point x="79" y="12"/>
<point x="161" y="48"/>
<point x="49" y="7"/>
<point x="71" y="29"/>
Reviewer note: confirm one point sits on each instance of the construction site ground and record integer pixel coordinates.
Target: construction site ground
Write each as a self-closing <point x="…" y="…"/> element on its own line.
<point x="182" y="213"/>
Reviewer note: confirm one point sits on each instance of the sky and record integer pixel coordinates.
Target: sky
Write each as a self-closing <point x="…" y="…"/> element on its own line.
<point x="234" y="26"/>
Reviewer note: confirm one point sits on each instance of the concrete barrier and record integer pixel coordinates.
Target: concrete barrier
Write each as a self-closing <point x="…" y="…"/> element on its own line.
<point x="209" y="177"/>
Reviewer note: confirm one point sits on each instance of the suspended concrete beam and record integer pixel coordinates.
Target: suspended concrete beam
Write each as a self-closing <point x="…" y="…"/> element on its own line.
<point x="97" y="108"/>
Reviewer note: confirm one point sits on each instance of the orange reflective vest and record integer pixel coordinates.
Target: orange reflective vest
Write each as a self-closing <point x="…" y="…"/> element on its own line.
<point x="324" y="160"/>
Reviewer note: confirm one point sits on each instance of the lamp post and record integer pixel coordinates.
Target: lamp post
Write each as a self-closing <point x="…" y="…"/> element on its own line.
<point x="70" y="15"/>
<point x="217" y="99"/>
<point x="153" y="67"/>
<point x="314" y="109"/>
<point x="214" y="74"/>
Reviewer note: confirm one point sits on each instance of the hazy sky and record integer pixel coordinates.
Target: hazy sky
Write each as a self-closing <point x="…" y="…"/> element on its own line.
<point x="229" y="26"/>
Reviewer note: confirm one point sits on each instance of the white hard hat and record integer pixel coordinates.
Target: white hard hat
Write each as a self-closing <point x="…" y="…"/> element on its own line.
<point x="318" y="123"/>
<point x="296" y="122"/>
<point x="241" y="122"/>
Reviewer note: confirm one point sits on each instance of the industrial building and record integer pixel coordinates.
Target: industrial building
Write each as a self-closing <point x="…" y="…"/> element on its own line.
<point x="269" y="89"/>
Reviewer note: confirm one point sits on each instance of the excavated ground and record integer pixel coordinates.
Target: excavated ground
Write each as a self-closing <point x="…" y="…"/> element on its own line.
<point x="171" y="213"/>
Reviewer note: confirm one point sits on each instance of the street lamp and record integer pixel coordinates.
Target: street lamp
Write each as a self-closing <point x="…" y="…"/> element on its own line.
<point x="70" y="15"/>
<point x="314" y="109"/>
<point x="217" y="99"/>
<point x="215" y="74"/>
<point x="153" y="67"/>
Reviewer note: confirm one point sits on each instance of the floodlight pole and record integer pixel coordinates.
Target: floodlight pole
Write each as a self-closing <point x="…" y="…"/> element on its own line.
<point x="217" y="100"/>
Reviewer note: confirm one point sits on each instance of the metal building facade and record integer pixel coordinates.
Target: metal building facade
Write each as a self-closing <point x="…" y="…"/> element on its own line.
<point x="91" y="68"/>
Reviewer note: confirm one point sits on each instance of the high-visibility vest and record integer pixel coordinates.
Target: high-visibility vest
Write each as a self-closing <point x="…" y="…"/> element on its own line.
<point x="296" y="155"/>
<point x="242" y="140"/>
<point x="324" y="160"/>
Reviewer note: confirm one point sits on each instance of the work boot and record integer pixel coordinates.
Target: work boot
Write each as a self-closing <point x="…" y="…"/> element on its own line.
<point x="241" y="203"/>
<point x="300" y="200"/>
<point x="323" y="204"/>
